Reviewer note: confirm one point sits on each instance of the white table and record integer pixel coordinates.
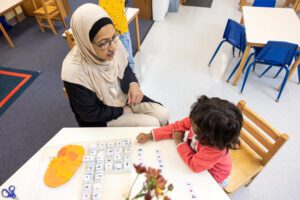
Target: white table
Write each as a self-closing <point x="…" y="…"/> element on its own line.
<point x="265" y="24"/>
<point x="5" y="6"/>
<point x="176" y="172"/>
<point x="131" y="13"/>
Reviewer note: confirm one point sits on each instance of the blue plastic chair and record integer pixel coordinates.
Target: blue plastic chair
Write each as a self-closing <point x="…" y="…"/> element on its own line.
<point x="279" y="71"/>
<point x="264" y="3"/>
<point x="234" y="34"/>
<point x="275" y="54"/>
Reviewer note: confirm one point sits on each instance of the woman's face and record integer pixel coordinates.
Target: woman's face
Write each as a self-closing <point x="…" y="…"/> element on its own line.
<point x="105" y="42"/>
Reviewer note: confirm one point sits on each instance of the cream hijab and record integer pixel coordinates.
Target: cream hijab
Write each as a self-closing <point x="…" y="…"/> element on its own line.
<point x="83" y="67"/>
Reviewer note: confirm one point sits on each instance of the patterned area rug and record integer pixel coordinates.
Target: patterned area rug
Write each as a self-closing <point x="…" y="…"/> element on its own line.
<point x="13" y="82"/>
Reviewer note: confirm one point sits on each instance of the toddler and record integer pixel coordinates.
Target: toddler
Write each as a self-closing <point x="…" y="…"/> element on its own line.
<point x="213" y="127"/>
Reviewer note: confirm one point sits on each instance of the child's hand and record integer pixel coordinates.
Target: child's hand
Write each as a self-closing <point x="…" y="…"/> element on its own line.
<point x="178" y="137"/>
<point x="144" y="137"/>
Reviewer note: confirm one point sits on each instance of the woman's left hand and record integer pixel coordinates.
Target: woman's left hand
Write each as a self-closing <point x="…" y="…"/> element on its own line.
<point x="135" y="95"/>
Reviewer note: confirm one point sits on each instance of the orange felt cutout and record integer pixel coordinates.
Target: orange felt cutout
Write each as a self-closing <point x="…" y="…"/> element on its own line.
<point x="64" y="166"/>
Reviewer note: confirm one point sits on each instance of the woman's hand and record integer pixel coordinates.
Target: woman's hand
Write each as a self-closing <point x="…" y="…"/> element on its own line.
<point x="144" y="137"/>
<point x="135" y="95"/>
<point x="178" y="137"/>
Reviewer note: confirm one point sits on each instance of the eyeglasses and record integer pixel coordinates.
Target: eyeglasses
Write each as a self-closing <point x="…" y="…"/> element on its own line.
<point x="106" y="43"/>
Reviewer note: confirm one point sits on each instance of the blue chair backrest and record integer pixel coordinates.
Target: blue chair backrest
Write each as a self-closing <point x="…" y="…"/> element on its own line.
<point x="235" y="34"/>
<point x="277" y="53"/>
<point x="264" y="3"/>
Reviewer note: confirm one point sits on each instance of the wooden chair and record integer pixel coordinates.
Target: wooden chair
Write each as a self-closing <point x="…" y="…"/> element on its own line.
<point x="48" y="11"/>
<point x="11" y="44"/>
<point x="259" y="143"/>
<point x="244" y="3"/>
<point x="183" y="2"/>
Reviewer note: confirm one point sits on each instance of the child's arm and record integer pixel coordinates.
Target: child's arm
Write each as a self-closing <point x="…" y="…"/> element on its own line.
<point x="165" y="132"/>
<point x="199" y="161"/>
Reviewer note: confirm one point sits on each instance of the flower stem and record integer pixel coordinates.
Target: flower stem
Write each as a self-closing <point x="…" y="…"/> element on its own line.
<point x="129" y="194"/>
<point x="140" y="194"/>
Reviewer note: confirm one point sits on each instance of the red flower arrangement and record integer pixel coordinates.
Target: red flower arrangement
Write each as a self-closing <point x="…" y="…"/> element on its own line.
<point x="154" y="186"/>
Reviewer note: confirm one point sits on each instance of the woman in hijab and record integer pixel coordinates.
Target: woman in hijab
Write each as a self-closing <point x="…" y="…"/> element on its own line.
<point x="102" y="89"/>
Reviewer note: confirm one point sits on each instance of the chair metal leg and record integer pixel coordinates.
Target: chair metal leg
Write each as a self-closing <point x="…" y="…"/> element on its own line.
<point x="247" y="61"/>
<point x="279" y="71"/>
<point x="298" y="74"/>
<point x="234" y="70"/>
<point x="216" y="52"/>
<point x="238" y="64"/>
<point x="233" y="51"/>
<point x="246" y="76"/>
<point x="283" y="82"/>
<point x="265" y="71"/>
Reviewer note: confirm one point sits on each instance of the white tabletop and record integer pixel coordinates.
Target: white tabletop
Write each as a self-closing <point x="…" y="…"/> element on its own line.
<point x="29" y="184"/>
<point x="276" y="24"/>
<point x="131" y="13"/>
<point x="6" y="5"/>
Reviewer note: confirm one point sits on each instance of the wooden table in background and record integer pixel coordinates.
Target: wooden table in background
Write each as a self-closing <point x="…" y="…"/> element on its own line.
<point x="5" y="6"/>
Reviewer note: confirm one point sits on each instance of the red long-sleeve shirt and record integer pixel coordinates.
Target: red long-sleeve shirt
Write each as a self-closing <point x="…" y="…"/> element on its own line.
<point x="195" y="155"/>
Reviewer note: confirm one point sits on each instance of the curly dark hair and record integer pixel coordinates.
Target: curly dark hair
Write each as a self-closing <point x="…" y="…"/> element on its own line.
<point x="216" y="122"/>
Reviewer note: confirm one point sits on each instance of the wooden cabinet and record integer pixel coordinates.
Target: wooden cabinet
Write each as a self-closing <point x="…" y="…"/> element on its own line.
<point x="64" y="6"/>
<point x="145" y="7"/>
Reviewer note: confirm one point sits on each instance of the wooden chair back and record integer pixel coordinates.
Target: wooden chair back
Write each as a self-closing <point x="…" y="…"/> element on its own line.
<point x="47" y="10"/>
<point x="259" y="143"/>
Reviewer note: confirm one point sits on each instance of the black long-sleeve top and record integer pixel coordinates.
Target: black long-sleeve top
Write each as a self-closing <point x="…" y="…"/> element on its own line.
<point x="89" y="110"/>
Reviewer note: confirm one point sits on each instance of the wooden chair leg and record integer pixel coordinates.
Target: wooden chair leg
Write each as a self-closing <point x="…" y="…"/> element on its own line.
<point x="250" y="181"/>
<point x="286" y="4"/>
<point x="17" y="16"/>
<point x="11" y="44"/>
<point x="39" y="21"/>
<point x="242" y="20"/>
<point x="51" y="26"/>
<point x="62" y="20"/>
